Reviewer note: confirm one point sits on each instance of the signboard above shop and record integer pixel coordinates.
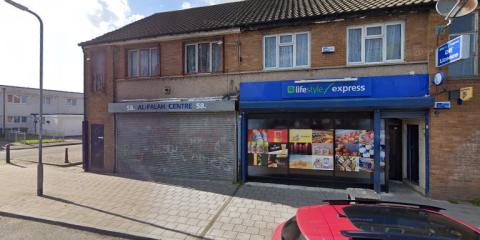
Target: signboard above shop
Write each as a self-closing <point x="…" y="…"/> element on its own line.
<point x="453" y="51"/>
<point x="355" y="88"/>
<point x="400" y="86"/>
<point x="172" y="106"/>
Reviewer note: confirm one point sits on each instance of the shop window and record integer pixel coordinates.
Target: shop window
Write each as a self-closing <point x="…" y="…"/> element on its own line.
<point x="380" y="43"/>
<point x="143" y="62"/>
<point x="203" y="57"/>
<point x="286" y="51"/>
<point x="17" y="99"/>
<point x="313" y="147"/>
<point x="466" y="25"/>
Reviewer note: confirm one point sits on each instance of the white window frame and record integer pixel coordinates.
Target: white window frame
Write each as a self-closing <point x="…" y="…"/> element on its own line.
<point x="49" y="100"/>
<point x="150" y="69"/>
<point x="476" y="45"/>
<point x="210" y="70"/>
<point x="384" y="39"/>
<point x="277" y="50"/>
<point x="20" y="97"/>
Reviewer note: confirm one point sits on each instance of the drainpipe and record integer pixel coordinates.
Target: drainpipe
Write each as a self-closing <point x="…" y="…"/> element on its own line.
<point x="4" y="111"/>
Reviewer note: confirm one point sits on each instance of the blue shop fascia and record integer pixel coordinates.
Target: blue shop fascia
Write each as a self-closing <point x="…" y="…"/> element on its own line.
<point x="346" y="132"/>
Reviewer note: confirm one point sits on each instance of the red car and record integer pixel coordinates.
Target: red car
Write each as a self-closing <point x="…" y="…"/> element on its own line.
<point x="373" y="220"/>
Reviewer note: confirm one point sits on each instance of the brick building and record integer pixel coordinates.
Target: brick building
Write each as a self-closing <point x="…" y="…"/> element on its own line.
<point x="307" y="92"/>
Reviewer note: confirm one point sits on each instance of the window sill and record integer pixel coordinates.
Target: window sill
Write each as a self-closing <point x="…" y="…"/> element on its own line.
<point x="286" y="69"/>
<point x="376" y="63"/>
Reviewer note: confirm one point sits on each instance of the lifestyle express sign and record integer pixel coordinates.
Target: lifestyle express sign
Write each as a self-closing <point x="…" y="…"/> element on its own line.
<point x="359" y="88"/>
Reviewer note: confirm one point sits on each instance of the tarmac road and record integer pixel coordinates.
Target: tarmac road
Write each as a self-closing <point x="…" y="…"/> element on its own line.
<point x="16" y="229"/>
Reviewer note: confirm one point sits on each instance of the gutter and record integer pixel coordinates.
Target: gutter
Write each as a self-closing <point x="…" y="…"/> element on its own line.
<point x="165" y="38"/>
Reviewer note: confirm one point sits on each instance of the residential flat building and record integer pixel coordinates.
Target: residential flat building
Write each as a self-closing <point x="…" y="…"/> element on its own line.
<point x="288" y="91"/>
<point x="19" y="110"/>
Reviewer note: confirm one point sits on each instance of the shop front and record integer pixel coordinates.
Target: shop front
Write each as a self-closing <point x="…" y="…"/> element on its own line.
<point x="336" y="132"/>
<point x="191" y="138"/>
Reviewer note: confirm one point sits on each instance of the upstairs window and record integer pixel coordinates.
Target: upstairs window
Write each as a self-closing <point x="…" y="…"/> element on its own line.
<point x="17" y="99"/>
<point x="143" y="62"/>
<point x="99" y="72"/>
<point x="380" y="43"/>
<point x="203" y="57"/>
<point x="286" y="51"/>
<point x="47" y="100"/>
<point x="466" y="25"/>
<point x="71" y="102"/>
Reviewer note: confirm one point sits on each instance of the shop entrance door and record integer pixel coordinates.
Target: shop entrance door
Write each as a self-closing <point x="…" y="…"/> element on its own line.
<point x="395" y="149"/>
<point x="412" y="154"/>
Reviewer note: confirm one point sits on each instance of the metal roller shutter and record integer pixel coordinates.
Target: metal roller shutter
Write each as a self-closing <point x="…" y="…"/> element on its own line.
<point x="193" y="145"/>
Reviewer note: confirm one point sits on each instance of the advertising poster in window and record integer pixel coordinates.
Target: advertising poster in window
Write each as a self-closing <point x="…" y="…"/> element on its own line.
<point x="277" y="148"/>
<point x="301" y="149"/>
<point x="366" y="151"/>
<point x="257" y="147"/>
<point x="322" y="149"/>
<point x="268" y="148"/>
<point x="347" y="151"/>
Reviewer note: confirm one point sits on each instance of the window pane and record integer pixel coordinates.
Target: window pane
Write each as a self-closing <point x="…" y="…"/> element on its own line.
<point x="355" y="45"/>
<point x="302" y="49"/>
<point x="16" y="99"/>
<point x="204" y="57"/>
<point x="133" y="63"/>
<point x="10" y="98"/>
<point x="394" y="42"/>
<point x="144" y="63"/>
<point x="24" y="99"/>
<point x="465" y="67"/>
<point x="191" y="59"/>
<point x="463" y="24"/>
<point x="216" y="57"/>
<point x="24" y="119"/>
<point x="373" y="50"/>
<point x="286" y="39"/>
<point x="374" y="31"/>
<point x="270" y="52"/>
<point x="286" y="56"/>
<point x="154" y="66"/>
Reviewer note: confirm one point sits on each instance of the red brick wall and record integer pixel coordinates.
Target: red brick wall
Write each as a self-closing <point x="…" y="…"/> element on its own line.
<point x="454" y="133"/>
<point x="96" y="109"/>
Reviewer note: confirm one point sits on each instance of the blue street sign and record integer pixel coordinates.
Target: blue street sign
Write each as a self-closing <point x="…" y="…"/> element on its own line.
<point x="454" y="50"/>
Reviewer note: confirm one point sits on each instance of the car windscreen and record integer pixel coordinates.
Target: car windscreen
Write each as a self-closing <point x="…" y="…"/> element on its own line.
<point x="407" y="221"/>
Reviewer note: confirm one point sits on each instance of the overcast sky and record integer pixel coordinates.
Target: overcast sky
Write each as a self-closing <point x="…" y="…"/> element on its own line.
<point x="67" y="23"/>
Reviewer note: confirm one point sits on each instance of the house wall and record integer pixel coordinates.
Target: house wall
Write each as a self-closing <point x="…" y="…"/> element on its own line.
<point x="57" y="105"/>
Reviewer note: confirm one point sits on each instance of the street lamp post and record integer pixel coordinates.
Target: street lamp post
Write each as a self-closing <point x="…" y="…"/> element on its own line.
<point x="40" y="136"/>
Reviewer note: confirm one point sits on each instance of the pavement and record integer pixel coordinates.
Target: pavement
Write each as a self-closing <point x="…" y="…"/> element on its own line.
<point x="21" y="146"/>
<point x="51" y="155"/>
<point x="170" y="208"/>
<point x="14" y="229"/>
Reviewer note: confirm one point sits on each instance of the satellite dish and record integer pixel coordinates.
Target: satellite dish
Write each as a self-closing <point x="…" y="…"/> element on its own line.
<point x="455" y="8"/>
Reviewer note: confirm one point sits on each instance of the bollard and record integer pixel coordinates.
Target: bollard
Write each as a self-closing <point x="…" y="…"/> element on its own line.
<point x="7" y="151"/>
<point x="66" y="155"/>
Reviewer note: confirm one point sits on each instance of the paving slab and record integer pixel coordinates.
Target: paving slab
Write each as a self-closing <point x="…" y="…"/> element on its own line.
<point x="171" y="208"/>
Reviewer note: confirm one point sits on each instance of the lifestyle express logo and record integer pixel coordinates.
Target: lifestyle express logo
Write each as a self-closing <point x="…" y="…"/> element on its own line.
<point x="318" y="89"/>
